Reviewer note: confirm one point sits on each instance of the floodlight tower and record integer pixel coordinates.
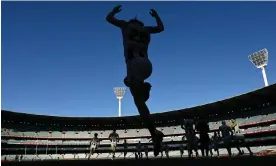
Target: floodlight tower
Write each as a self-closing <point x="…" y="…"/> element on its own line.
<point x="260" y="60"/>
<point x="119" y="92"/>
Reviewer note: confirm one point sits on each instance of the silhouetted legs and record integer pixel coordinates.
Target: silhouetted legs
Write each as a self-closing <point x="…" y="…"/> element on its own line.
<point x="91" y="152"/>
<point x="138" y="96"/>
<point x="211" y="151"/>
<point x="192" y="145"/>
<point x="138" y="70"/>
<point x="204" y="143"/>
<point x="147" y="154"/>
<point x="242" y="143"/>
<point x="181" y="153"/>
<point x="215" y="149"/>
<point x="125" y="153"/>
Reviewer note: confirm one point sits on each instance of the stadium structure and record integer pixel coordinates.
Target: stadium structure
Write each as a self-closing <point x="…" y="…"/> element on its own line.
<point x="30" y="137"/>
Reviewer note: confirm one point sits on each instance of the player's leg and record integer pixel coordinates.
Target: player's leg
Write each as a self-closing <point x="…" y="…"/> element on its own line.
<point x="139" y="69"/>
<point x="202" y="151"/>
<point x="243" y="143"/>
<point x="114" y="150"/>
<point x="93" y="151"/>
<point x="216" y="148"/>
<point x="237" y="143"/>
<point x="189" y="147"/>
<point x="195" y="146"/>
<point x="248" y="148"/>
<point x="228" y="147"/>
<point x="211" y="151"/>
<point x="90" y="153"/>
<point x="207" y="143"/>
<point x="125" y="153"/>
<point x="137" y="93"/>
<point x="136" y="89"/>
<point x="135" y="81"/>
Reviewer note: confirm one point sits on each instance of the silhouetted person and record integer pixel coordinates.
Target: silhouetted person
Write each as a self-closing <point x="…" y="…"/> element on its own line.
<point x="203" y="129"/>
<point x="114" y="138"/>
<point x="190" y="134"/>
<point x="226" y="136"/>
<point x="94" y="143"/>
<point x="136" y="39"/>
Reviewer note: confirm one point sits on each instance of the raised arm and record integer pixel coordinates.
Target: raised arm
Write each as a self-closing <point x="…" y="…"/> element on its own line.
<point x="114" y="21"/>
<point x="159" y="27"/>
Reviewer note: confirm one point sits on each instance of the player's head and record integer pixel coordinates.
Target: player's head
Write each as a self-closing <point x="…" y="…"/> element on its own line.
<point x="96" y="135"/>
<point x="125" y="140"/>
<point x="136" y="21"/>
<point x="223" y="122"/>
<point x="114" y="130"/>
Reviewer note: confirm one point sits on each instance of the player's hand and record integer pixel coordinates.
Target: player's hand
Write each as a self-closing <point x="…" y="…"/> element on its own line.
<point x="153" y="13"/>
<point x="117" y="9"/>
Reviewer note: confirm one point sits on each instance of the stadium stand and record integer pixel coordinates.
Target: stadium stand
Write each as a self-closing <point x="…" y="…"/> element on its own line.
<point x="29" y="137"/>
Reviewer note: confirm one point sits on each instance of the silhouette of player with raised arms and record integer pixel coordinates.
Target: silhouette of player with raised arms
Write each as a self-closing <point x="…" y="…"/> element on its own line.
<point x="136" y="39"/>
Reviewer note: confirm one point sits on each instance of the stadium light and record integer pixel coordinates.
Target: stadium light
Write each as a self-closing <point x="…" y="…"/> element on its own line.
<point x="260" y="60"/>
<point x="119" y="92"/>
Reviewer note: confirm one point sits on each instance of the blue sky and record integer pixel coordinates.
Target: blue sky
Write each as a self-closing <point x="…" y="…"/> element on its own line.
<point x="63" y="58"/>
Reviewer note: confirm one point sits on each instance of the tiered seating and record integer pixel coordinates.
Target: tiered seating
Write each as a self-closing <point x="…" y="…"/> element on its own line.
<point x="42" y="137"/>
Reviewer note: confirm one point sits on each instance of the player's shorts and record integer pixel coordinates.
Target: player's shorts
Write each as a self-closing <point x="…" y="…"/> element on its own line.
<point x="138" y="69"/>
<point x="113" y="145"/>
<point x="93" y="146"/>
<point x="227" y="139"/>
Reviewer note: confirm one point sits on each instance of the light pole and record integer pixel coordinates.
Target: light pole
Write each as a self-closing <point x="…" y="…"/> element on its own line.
<point x="260" y="60"/>
<point x="119" y="92"/>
